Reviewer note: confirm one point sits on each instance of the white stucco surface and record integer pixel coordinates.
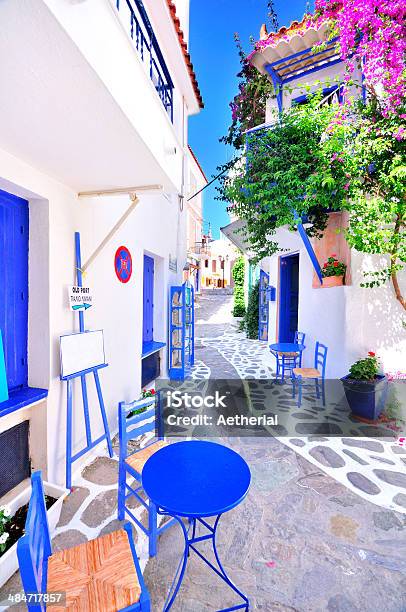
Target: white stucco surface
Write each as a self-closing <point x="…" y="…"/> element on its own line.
<point x="350" y="320"/>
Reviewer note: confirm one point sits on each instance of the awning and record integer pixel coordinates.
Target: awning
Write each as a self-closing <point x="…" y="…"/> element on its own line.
<point x="235" y="233"/>
<point x="292" y="57"/>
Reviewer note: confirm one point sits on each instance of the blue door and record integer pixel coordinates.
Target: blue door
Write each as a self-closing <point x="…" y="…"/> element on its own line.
<point x="14" y="287"/>
<point x="263" y="314"/>
<point x="148" y="300"/>
<point x="288" y="297"/>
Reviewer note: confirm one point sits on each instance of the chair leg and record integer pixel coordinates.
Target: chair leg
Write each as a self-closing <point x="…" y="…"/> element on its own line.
<point x="299" y="397"/>
<point x="323" y="392"/>
<point x="283" y="368"/>
<point x="145" y="605"/>
<point x="153" y="529"/>
<point x="121" y="491"/>
<point x="293" y="387"/>
<point x="317" y="388"/>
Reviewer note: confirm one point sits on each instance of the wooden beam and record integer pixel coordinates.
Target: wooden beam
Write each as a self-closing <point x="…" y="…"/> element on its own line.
<point x="134" y="202"/>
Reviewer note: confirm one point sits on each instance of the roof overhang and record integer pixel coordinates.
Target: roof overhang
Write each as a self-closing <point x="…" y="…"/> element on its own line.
<point x="291" y="57"/>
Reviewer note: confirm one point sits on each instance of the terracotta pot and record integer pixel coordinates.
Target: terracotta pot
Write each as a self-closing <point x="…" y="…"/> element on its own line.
<point x="333" y="281"/>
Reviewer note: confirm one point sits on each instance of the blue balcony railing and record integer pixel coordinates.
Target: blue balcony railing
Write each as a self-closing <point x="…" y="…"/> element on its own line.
<point x="145" y="43"/>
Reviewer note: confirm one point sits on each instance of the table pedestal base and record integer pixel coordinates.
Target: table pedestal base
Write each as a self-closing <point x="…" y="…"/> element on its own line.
<point x="190" y="544"/>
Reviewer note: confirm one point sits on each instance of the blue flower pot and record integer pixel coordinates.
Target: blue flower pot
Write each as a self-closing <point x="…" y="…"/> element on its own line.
<point x="366" y="398"/>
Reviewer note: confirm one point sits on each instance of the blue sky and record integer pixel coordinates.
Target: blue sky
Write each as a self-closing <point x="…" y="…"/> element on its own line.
<point x="214" y="56"/>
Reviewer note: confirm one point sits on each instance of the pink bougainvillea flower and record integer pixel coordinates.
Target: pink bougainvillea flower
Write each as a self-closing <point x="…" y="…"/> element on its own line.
<point x="372" y="33"/>
<point x="270" y="564"/>
<point x="399" y="134"/>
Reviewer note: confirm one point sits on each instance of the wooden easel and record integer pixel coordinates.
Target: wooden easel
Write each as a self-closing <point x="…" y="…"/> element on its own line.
<point x="90" y="443"/>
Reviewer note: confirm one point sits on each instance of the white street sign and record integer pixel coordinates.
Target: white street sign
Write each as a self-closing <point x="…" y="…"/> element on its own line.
<point x="80" y="298"/>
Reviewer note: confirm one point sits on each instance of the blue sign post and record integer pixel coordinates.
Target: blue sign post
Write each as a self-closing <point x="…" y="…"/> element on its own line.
<point x="90" y="443"/>
<point x="3" y="377"/>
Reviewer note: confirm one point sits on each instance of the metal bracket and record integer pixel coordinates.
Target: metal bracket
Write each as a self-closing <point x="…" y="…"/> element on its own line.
<point x="132" y="192"/>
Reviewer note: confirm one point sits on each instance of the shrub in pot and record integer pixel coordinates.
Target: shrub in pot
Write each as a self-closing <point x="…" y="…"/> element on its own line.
<point x="333" y="272"/>
<point x="365" y="389"/>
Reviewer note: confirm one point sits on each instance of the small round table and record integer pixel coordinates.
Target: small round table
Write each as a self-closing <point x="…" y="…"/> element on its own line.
<point x="286" y="347"/>
<point x="196" y="480"/>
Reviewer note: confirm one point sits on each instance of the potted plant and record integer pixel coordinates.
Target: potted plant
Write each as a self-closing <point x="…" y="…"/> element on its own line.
<point x="365" y="389"/>
<point x="12" y="522"/>
<point x="333" y="272"/>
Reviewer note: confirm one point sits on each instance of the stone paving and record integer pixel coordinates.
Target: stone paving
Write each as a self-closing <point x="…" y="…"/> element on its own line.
<point x="372" y="468"/>
<point x="302" y="541"/>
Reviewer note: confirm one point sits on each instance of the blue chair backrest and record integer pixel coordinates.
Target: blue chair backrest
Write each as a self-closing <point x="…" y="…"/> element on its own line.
<point x="34" y="548"/>
<point x="320" y="358"/>
<point x="299" y="337"/>
<point x="139" y="424"/>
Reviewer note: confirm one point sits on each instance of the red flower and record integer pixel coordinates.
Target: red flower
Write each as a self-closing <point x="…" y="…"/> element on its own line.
<point x="333" y="255"/>
<point x="325" y="265"/>
<point x="153" y="391"/>
<point x="371" y="354"/>
<point x="335" y="264"/>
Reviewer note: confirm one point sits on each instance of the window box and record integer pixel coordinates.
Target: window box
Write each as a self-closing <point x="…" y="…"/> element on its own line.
<point x="9" y="561"/>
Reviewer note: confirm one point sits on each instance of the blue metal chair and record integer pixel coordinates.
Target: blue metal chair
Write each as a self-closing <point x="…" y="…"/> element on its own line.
<point x="285" y="362"/>
<point x="317" y="373"/>
<point x="134" y="419"/>
<point x="86" y="573"/>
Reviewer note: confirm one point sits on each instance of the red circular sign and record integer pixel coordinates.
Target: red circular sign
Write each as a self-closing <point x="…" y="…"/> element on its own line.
<point x="123" y="264"/>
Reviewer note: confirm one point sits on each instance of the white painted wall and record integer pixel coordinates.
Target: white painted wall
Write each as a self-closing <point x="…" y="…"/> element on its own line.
<point x="350" y="320"/>
<point x="49" y="156"/>
<point x="153" y="228"/>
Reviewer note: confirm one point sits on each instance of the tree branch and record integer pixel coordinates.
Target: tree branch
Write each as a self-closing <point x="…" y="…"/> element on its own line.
<point x="394" y="276"/>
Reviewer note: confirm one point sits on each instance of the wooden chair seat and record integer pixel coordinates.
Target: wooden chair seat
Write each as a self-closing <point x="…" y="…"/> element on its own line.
<point x="306" y="372"/>
<point x="138" y="459"/>
<point x="97" y="576"/>
<point x="289" y="354"/>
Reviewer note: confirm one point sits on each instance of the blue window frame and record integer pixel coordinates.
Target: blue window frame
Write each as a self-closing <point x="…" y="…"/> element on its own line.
<point x="148" y="301"/>
<point x="14" y="287"/>
<point x="326" y="91"/>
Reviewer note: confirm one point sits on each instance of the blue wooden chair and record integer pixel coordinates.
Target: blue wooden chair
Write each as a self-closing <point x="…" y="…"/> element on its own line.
<point x="134" y="419"/>
<point x="285" y="362"/>
<point x="102" y="575"/>
<point x="318" y="373"/>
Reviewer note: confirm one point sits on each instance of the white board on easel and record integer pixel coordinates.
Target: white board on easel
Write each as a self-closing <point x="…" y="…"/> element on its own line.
<point x="81" y="351"/>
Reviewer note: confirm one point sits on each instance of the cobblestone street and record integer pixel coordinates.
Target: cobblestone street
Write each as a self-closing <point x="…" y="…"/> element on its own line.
<point x="302" y="541"/>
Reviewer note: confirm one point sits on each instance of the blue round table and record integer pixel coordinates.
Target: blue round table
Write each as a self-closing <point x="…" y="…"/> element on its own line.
<point x="196" y="480"/>
<point x="286" y="363"/>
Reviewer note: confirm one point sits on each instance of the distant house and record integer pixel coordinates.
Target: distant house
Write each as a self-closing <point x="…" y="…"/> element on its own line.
<point x="350" y="320"/>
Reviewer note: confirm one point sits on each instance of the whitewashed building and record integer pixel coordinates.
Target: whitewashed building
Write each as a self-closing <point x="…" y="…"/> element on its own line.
<point x="94" y="108"/>
<point x="349" y="319"/>
<point x="194" y="235"/>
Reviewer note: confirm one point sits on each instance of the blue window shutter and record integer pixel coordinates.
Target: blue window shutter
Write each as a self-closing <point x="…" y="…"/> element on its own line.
<point x="14" y="286"/>
<point x="148" y="300"/>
